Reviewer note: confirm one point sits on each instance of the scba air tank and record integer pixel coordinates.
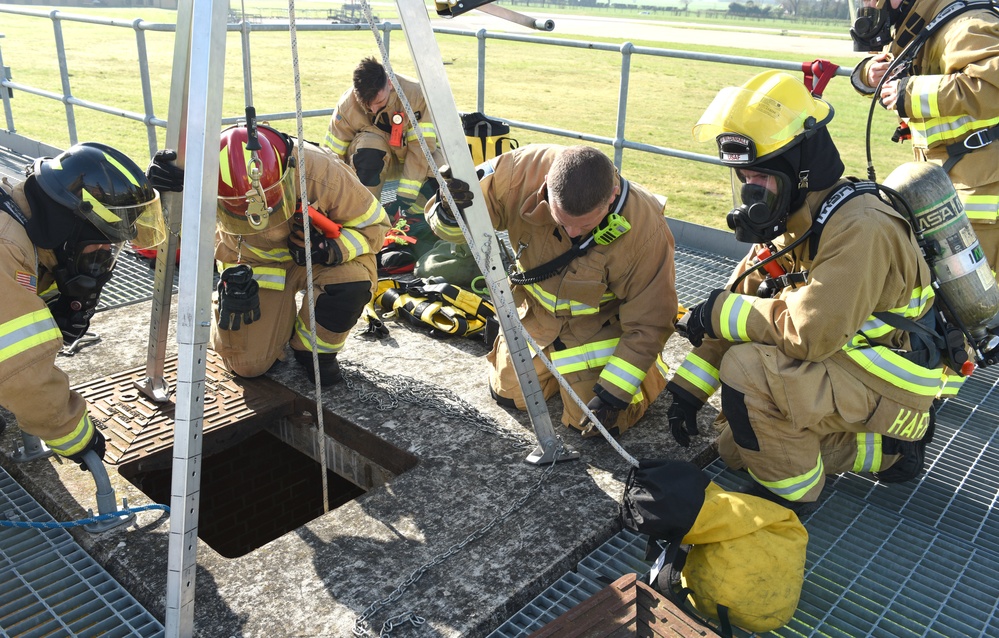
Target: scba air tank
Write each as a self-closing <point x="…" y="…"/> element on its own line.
<point x="966" y="279"/>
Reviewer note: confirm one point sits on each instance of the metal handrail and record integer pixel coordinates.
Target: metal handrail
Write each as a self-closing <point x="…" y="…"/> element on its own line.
<point x="618" y="141"/>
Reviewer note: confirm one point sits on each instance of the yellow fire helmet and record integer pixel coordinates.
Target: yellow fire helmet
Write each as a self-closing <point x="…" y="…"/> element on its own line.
<point x="768" y="114"/>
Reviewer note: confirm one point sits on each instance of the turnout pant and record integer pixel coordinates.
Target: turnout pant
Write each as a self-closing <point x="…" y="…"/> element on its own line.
<point x="791" y="422"/>
<point x="504" y="382"/>
<point x="340" y="294"/>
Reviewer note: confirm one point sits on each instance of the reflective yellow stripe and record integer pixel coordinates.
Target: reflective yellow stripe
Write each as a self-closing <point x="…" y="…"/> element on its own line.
<point x="929" y="131"/>
<point x="353" y="243"/>
<point x="553" y="304"/>
<point x="409" y="188"/>
<point x="76" y="440"/>
<point x="795" y="487"/>
<point x="322" y="347"/>
<point x="622" y="374"/>
<point x="699" y="373"/>
<point x="374" y="215"/>
<point x="981" y="207"/>
<point x="952" y="384"/>
<point x="588" y="355"/>
<point x="895" y="369"/>
<point x="662" y="367"/>
<point x="923" y="89"/>
<point x="27" y="331"/>
<point x="102" y="211"/>
<point x="868" y="452"/>
<point x="334" y="143"/>
<point x="274" y="254"/>
<point x="735" y="317"/>
<point x="266" y="277"/>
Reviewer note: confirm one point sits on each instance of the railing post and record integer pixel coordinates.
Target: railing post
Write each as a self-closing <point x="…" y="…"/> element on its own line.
<point x="622" y="104"/>
<point x="386" y="35"/>
<point x="8" y="113"/>
<point x="64" y="76"/>
<point x="480" y="94"/>
<point x="147" y="92"/>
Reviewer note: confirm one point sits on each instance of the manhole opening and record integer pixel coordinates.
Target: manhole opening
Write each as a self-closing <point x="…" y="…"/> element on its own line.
<point x="268" y="483"/>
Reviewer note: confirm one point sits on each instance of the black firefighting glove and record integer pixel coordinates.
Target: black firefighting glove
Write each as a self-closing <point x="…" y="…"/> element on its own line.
<point x="72" y="316"/>
<point x="400" y="207"/>
<point x="325" y="251"/>
<point x="163" y="173"/>
<point x="606" y="408"/>
<point x="696" y="322"/>
<point x="97" y="443"/>
<point x="459" y="192"/>
<point x="239" y="302"/>
<point x="682" y="415"/>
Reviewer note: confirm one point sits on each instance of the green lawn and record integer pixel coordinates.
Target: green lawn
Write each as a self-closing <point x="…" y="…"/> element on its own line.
<point x="566" y="88"/>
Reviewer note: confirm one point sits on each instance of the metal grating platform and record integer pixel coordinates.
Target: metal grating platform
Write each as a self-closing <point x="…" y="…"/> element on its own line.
<point x="49" y="586"/>
<point x="917" y="559"/>
<point x="132" y="282"/>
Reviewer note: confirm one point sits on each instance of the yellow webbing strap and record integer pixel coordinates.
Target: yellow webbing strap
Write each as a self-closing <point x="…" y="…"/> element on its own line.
<point x="444" y="307"/>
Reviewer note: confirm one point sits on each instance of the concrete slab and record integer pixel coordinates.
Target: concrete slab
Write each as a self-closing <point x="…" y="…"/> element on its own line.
<point x="477" y="531"/>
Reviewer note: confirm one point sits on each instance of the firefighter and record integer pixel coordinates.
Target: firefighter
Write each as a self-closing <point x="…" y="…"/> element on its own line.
<point x="948" y="97"/>
<point x="814" y="379"/>
<point x="595" y="277"/>
<point x="260" y="253"/>
<point x="61" y="230"/>
<point x="369" y="129"/>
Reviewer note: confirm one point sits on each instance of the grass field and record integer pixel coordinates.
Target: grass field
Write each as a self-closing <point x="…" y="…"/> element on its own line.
<point x="565" y="88"/>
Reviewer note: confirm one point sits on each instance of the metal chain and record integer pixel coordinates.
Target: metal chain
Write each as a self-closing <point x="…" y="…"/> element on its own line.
<point x="362" y="625"/>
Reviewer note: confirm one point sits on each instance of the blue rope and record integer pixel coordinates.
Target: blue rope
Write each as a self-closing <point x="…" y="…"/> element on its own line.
<point x="84" y="521"/>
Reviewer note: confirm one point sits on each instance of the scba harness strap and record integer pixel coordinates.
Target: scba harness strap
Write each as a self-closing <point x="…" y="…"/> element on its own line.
<point x="448" y="309"/>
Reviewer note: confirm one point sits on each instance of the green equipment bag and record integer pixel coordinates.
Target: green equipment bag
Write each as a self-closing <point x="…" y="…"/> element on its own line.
<point x="487" y="137"/>
<point x="731" y="557"/>
<point x="452" y="262"/>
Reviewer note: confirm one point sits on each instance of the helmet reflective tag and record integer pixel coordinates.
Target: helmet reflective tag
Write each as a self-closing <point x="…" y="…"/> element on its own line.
<point x="736" y="149"/>
<point x="612" y="227"/>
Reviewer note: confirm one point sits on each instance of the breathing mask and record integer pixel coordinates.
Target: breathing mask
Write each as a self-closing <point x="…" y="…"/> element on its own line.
<point x="871" y="29"/>
<point x="83" y="269"/>
<point x="761" y="204"/>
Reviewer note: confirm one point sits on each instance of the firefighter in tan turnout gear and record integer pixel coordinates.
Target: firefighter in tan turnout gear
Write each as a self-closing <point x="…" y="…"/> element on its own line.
<point x="370" y="131"/>
<point x="948" y="94"/>
<point x="814" y="378"/>
<point x="260" y="253"/>
<point x="595" y="277"/>
<point x="61" y="230"/>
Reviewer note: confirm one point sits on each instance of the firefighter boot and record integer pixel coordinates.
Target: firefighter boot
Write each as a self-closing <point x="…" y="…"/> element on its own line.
<point x="329" y="367"/>
<point x="913" y="454"/>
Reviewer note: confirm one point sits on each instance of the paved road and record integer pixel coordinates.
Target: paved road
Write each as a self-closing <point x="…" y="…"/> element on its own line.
<point x="808" y="44"/>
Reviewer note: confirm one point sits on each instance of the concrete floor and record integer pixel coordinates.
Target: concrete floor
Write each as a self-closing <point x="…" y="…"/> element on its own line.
<point x="496" y="529"/>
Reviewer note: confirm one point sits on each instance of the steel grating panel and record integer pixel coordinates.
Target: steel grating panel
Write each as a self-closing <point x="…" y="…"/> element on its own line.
<point x="132" y="282"/>
<point x="698" y="273"/>
<point x="49" y="586"/>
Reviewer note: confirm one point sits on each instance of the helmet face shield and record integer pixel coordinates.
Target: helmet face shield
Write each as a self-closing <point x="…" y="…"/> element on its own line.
<point x="141" y="224"/>
<point x="258" y="210"/>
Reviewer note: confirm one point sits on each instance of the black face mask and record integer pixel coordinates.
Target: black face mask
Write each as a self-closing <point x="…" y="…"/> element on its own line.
<point x="80" y="276"/>
<point x="872" y="29"/>
<point x="762" y="216"/>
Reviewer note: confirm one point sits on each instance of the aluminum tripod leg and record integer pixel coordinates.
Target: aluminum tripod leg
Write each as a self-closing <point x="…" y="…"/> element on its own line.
<point x="201" y="40"/>
<point x="481" y="236"/>
<point x="154" y="385"/>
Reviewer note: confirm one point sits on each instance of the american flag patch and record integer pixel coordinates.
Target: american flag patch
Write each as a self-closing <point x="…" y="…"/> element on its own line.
<point x="27" y="280"/>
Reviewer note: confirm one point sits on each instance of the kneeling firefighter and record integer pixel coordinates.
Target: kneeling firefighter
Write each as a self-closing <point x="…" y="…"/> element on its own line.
<point x="826" y="351"/>
<point x="261" y="255"/>
<point x="62" y="229"/>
